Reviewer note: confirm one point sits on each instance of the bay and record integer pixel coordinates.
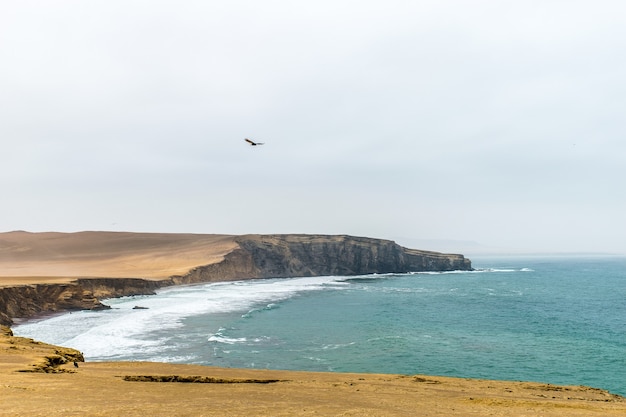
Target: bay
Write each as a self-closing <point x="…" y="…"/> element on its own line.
<point x="559" y="320"/>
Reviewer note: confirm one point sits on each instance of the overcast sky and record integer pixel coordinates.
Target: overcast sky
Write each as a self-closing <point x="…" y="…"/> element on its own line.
<point x="496" y="122"/>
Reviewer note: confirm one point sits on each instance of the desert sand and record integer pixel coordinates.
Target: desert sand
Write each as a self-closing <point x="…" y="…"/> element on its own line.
<point x="37" y="379"/>
<point x="42" y="258"/>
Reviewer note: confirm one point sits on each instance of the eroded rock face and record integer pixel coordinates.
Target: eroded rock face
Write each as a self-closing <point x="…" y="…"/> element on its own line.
<point x="31" y="300"/>
<point x="281" y="256"/>
<point x="43" y="358"/>
<point x="118" y="287"/>
<point x="257" y="256"/>
<point x="308" y="255"/>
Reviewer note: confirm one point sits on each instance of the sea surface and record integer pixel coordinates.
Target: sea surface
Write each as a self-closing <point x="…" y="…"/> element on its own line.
<point x="559" y="320"/>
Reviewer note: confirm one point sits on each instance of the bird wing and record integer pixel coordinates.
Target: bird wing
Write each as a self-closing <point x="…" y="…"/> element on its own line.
<point x="249" y="141"/>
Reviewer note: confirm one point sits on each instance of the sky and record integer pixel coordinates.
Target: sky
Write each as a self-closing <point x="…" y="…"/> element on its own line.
<point x="485" y="124"/>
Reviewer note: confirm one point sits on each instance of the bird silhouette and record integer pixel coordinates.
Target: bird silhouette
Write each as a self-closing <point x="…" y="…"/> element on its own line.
<point x="253" y="143"/>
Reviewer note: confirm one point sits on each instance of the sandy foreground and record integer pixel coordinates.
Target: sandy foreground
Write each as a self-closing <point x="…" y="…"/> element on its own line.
<point x="155" y="389"/>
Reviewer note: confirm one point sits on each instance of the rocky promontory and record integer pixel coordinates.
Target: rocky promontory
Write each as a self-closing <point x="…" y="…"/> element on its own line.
<point x="50" y="272"/>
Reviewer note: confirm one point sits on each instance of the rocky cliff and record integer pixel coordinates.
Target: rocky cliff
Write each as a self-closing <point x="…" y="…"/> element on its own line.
<point x="307" y="255"/>
<point x="254" y="256"/>
<point x="31" y="300"/>
<point x="279" y="256"/>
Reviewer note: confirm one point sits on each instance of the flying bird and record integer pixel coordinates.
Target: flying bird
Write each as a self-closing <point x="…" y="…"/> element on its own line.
<point x="253" y="143"/>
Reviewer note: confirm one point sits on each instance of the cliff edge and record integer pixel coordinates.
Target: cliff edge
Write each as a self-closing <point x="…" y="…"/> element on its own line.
<point x="281" y="256"/>
<point x="30" y="283"/>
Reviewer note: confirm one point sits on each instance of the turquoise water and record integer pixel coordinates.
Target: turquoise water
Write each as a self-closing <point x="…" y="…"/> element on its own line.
<point x="554" y="320"/>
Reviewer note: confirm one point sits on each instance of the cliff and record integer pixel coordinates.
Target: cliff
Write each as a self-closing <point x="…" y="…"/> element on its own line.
<point x="31" y="300"/>
<point x="250" y="256"/>
<point x="307" y="255"/>
<point x="281" y="256"/>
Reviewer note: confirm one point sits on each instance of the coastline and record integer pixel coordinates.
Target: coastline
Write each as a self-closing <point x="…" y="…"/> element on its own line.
<point x="49" y="272"/>
<point x="129" y="388"/>
<point x="39" y="379"/>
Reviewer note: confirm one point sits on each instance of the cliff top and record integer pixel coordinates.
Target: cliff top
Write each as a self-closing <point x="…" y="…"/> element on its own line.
<point x="53" y="257"/>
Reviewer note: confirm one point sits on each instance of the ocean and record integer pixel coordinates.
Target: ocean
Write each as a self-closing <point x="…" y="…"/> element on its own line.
<point x="559" y="320"/>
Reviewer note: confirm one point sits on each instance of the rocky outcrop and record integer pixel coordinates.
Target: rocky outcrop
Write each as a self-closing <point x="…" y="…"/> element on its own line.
<point x="32" y="300"/>
<point x="47" y="358"/>
<point x="280" y="256"/>
<point x="119" y="287"/>
<point x="256" y="256"/>
<point x="83" y="294"/>
<point x="308" y="255"/>
<point x="236" y="265"/>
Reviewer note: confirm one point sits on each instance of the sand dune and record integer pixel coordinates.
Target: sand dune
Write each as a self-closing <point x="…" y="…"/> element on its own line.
<point x="60" y="257"/>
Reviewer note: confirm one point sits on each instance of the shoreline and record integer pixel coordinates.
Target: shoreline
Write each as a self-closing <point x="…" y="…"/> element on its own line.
<point x="57" y="387"/>
<point x="546" y="382"/>
<point x="41" y="379"/>
<point x="468" y="376"/>
<point x="42" y="272"/>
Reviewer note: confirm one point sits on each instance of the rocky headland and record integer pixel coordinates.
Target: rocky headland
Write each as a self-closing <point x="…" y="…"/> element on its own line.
<point x="52" y="272"/>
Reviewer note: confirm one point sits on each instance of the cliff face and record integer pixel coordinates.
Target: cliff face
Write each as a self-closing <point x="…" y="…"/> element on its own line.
<point x="281" y="256"/>
<point x="308" y="255"/>
<point x="256" y="256"/>
<point x="31" y="300"/>
<point x="83" y="294"/>
<point x="118" y="287"/>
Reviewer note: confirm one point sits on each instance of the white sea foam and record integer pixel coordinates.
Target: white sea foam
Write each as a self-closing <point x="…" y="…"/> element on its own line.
<point x="337" y="346"/>
<point x="228" y="340"/>
<point x="125" y="331"/>
<point x="482" y="270"/>
<point x="450" y="325"/>
<point x="442" y="272"/>
<point x="145" y="333"/>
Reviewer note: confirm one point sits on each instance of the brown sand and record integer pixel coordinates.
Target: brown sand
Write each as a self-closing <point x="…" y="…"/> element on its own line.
<point x="28" y="258"/>
<point x="123" y="389"/>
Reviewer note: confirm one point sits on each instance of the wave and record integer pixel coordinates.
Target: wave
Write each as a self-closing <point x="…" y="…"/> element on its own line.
<point x="483" y="270"/>
<point x="270" y="306"/>
<point x="227" y="340"/>
<point x="440" y="272"/>
<point x="337" y="346"/>
<point x="221" y="337"/>
<point x="124" y="331"/>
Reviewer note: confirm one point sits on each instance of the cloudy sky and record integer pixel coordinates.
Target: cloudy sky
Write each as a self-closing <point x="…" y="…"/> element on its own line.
<point x="495" y="122"/>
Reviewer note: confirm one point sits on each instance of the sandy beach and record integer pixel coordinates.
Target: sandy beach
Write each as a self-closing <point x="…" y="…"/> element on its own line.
<point x="37" y="379"/>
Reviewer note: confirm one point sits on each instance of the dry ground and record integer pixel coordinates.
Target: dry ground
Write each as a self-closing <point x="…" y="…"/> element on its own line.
<point x="115" y="389"/>
<point x="39" y="258"/>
